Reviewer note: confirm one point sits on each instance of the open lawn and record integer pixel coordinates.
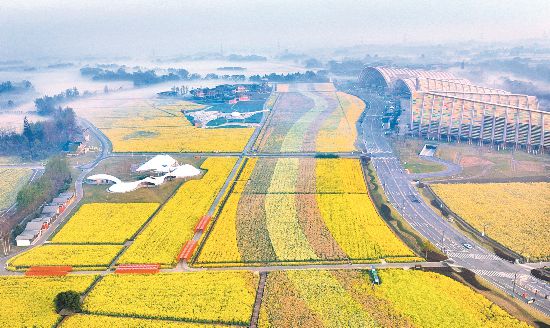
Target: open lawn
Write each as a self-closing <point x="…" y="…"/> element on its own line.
<point x="124" y="169"/>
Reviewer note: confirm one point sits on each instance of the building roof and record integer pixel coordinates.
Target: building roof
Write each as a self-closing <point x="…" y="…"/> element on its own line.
<point x="184" y="171"/>
<point x="102" y="176"/>
<point x="124" y="186"/>
<point x="50" y="209"/>
<point x="159" y="163"/>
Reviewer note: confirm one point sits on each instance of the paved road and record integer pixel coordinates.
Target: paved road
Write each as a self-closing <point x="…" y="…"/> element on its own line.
<point x="451" y="169"/>
<point x="79" y="193"/>
<point x="512" y="278"/>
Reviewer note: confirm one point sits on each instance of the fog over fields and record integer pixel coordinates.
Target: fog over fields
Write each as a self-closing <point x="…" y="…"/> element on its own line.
<point x="35" y="29"/>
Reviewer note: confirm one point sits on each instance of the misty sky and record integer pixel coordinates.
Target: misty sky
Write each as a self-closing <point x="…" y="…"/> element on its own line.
<point x="137" y="28"/>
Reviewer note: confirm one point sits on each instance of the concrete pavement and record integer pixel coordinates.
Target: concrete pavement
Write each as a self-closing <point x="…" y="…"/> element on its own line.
<point x="514" y="279"/>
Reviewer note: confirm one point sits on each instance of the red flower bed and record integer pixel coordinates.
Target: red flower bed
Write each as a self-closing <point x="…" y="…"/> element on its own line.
<point x="187" y="250"/>
<point x="48" y="270"/>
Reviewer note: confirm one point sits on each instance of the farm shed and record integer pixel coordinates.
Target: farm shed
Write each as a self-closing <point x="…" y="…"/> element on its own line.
<point x="51" y="209"/>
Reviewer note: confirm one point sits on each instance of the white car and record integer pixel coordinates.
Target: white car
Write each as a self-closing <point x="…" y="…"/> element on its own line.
<point x="468" y="246"/>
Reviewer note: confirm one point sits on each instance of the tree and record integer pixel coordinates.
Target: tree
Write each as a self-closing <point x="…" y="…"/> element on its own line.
<point x="69" y="300"/>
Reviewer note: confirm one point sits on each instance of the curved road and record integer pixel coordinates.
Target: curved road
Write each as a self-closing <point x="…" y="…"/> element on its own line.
<point x="79" y="193"/>
<point x="514" y="279"/>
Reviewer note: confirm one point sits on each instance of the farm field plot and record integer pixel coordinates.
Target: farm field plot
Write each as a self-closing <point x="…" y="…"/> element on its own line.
<point x="78" y="256"/>
<point x="93" y="321"/>
<point x="294" y="210"/>
<point x="309" y="119"/>
<point x="158" y="125"/>
<point x="316" y="298"/>
<point x="104" y="223"/>
<point x="29" y="301"/>
<point x="12" y="180"/>
<point x="203" y="297"/>
<point x="516" y="214"/>
<point x="173" y="224"/>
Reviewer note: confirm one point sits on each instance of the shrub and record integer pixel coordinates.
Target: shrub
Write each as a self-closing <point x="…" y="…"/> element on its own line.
<point x="69" y="300"/>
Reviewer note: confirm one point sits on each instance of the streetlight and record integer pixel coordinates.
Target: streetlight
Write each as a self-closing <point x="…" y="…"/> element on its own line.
<point x="514" y="285"/>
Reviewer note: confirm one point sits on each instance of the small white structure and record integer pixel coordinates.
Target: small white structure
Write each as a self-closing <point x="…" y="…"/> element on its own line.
<point x="124" y="186"/>
<point x="102" y="179"/>
<point x="184" y="171"/>
<point x="159" y="164"/>
<point x="27" y="237"/>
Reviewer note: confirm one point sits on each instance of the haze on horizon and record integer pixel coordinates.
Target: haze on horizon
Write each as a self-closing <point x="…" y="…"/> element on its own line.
<point x="61" y="28"/>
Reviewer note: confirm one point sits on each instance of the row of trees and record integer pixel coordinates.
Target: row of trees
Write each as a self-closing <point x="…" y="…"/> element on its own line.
<point x="56" y="178"/>
<point x="41" y="139"/>
<point x="139" y="78"/>
<point x="9" y="86"/>
<point x="48" y="104"/>
<point x="308" y="76"/>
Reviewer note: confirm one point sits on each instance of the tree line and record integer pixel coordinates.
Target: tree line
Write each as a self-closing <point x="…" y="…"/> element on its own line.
<point x="308" y="76"/>
<point x="41" y="139"/>
<point x="56" y="178"/>
<point x="48" y="104"/>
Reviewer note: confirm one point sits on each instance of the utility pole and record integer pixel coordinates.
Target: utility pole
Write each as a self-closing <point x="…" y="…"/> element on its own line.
<point x="514" y="285"/>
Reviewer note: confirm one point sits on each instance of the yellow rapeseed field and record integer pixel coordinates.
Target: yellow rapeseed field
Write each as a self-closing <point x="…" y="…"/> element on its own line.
<point x="433" y="300"/>
<point x="94" y="321"/>
<point x="173" y="225"/>
<point x="105" y="223"/>
<point x="178" y="139"/>
<point x="224" y="297"/>
<point x="356" y="226"/>
<point x="341" y="175"/>
<point x="347" y="298"/>
<point x="515" y="214"/>
<point x="160" y="126"/>
<point x="11" y="181"/>
<point x="73" y="255"/>
<point x="277" y="215"/>
<point x="29" y="301"/>
<point x="338" y="132"/>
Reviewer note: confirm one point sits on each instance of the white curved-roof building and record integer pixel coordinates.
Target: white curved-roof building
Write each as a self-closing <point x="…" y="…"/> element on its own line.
<point x="184" y="171"/>
<point x="159" y="164"/>
<point x="102" y="178"/>
<point x="124" y="186"/>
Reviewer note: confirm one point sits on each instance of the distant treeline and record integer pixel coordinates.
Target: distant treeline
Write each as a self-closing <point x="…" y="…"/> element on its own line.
<point x="236" y="58"/>
<point x="9" y="86"/>
<point x="42" y="139"/>
<point x="525" y="87"/>
<point x="308" y="76"/>
<point x="48" y="104"/>
<point x="520" y="67"/>
<point x="139" y="78"/>
<point x="56" y="178"/>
